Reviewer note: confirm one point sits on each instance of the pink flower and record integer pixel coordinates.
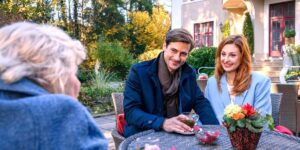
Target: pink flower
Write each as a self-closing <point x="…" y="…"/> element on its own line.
<point x="172" y="148"/>
<point x="197" y="128"/>
<point x="208" y="137"/>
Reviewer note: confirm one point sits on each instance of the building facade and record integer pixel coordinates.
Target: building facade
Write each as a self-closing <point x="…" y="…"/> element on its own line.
<point x="205" y="20"/>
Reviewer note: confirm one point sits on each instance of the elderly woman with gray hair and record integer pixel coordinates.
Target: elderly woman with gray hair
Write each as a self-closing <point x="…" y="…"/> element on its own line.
<point x="38" y="91"/>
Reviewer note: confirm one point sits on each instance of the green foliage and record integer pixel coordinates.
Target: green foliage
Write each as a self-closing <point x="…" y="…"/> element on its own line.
<point x="102" y="78"/>
<point x="270" y="121"/>
<point x="233" y="127"/>
<point x="114" y="58"/>
<point x="108" y="19"/>
<point x="248" y="32"/>
<point x="96" y="93"/>
<point x="288" y="33"/>
<point x="37" y="11"/>
<point x="226" y="29"/>
<point x="203" y="57"/>
<point x="138" y="5"/>
<point x="241" y="123"/>
<point x="85" y="75"/>
<point x="293" y="53"/>
<point x="292" y="75"/>
<point x="252" y="128"/>
<point x="149" y="55"/>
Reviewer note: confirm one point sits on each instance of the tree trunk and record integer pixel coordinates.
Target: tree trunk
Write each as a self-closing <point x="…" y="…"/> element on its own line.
<point x="63" y="12"/>
<point x="75" y="13"/>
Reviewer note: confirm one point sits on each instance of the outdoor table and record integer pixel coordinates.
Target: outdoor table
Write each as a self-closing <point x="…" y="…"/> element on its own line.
<point x="268" y="140"/>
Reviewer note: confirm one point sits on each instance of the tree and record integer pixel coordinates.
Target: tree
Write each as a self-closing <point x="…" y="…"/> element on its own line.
<point x="75" y="17"/>
<point x="114" y="58"/>
<point x="136" y="29"/>
<point x="62" y="5"/>
<point x="141" y="5"/>
<point x="226" y="29"/>
<point x="157" y="28"/>
<point x="108" y="18"/>
<point x="39" y="11"/>
<point x="248" y="32"/>
<point x="148" y="31"/>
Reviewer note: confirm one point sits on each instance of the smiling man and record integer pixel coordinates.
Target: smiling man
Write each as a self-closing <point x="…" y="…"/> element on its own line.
<point x="159" y="90"/>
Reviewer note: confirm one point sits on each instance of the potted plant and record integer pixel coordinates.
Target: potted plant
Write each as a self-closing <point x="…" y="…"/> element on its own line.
<point x="289" y="35"/>
<point x="245" y="125"/>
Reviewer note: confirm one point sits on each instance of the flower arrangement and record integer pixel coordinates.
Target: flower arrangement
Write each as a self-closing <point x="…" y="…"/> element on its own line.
<point x="245" y="117"/>
<point x="245" y="125"/>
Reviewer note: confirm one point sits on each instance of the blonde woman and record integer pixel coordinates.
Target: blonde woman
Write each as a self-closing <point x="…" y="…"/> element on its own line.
<point x="234" y="81"/>
<point x="38" y="91"/>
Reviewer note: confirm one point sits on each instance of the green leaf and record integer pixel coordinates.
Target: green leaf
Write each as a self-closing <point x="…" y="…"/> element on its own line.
<point x="241" y="123"/>
<point x="225" y="119"/>
<point x="258" y="123"/>
<point x="256" y="116"/>
<point x="270" y="121"/>
<point x="232" y="128"/>
<point x="228" y="120"/>
<point x="253" y="129"/>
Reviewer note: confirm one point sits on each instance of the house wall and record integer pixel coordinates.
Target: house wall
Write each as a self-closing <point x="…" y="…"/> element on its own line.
<point x="176" y="14"/>
<point x="297" y="22"/>
<point x="200" y="11"/>
<point x="185" y="13"/>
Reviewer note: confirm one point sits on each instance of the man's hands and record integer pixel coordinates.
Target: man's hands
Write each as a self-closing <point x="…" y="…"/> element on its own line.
<point x="175" y="124"/>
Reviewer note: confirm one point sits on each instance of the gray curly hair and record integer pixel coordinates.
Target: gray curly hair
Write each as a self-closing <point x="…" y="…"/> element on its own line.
<point x="42" y="53"/>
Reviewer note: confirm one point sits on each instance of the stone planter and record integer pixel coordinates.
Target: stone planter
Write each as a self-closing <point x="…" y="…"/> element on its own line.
<point x="243" y="139"/>
<point x="290" y="40"/>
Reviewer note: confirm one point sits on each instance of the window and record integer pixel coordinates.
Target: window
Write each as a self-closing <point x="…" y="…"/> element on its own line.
<point x="282" y="16"/>
<point x="203" y="34"/>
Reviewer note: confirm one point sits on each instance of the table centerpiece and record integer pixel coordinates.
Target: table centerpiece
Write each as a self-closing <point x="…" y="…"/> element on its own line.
<point x="245" y="125"/>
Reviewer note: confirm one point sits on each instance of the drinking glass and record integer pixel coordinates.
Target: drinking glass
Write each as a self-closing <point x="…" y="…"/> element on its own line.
<point x="193" y="118"/>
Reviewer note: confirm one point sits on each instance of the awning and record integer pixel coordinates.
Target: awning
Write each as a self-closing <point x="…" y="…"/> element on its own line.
<point x="235" y="6"/>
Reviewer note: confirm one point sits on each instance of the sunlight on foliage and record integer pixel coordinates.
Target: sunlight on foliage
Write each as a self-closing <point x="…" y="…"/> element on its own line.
<point x="149" y="30"/>
<point x="149" y="55"/>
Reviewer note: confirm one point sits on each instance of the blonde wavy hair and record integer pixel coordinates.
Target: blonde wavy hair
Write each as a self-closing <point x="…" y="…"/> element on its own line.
<point x="243" y="73"/>
<point x="42" y="53"/>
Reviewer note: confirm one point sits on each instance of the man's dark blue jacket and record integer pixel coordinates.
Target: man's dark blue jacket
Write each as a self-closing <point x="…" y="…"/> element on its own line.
<point x="143" y="98"/>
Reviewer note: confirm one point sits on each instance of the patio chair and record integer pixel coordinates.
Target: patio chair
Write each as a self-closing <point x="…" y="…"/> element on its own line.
<point x="288" y="108"/>
<point x="118" y="105"/>
<point x="276" y="102"/>
<point x="202" y="84"/>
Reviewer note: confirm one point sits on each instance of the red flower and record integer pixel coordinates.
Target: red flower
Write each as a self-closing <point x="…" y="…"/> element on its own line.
<point x="249" y="110"/>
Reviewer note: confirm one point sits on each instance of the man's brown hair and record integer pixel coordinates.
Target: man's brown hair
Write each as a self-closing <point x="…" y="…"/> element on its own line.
<point x="180" y="35"/>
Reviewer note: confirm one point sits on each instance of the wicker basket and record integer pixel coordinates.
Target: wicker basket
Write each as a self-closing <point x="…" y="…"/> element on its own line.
<point x="243" y="139"/>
